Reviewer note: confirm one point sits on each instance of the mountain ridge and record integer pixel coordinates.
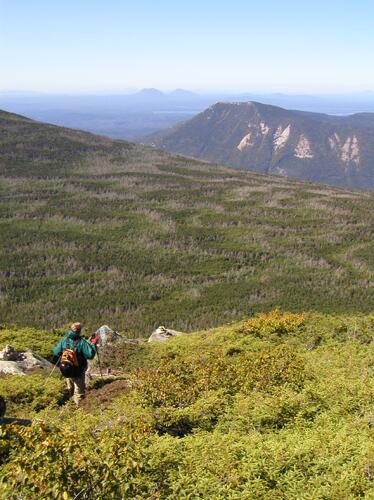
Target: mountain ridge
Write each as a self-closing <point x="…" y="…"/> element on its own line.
<point x="315" y="147"/>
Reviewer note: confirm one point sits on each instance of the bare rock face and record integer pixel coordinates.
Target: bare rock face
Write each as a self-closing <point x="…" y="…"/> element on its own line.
<point x="32" y="361"/>
<point x="162" y="334"/>
<point x="22" y="363"/>
<point x="303" y="148"/>
<point x="10" y="368"/>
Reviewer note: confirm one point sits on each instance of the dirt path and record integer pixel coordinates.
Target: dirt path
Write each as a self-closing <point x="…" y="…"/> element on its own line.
<point x="103" y="396"/>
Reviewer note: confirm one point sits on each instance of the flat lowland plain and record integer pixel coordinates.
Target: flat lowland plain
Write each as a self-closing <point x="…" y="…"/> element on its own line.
<point x="107" y="231"/>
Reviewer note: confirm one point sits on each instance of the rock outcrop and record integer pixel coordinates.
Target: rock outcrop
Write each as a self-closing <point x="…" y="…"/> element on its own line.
<point x="161" y="334"/>
<point x="22" y="363"/>
<point x="106" y="335"/>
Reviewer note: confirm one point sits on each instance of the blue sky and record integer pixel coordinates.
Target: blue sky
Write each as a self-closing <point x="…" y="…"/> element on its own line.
<point x="284" y="45"/>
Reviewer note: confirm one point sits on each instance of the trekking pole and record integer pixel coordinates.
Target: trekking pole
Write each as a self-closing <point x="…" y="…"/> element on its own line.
<point x="53" y="369"/>
<point x="98" y="359"/>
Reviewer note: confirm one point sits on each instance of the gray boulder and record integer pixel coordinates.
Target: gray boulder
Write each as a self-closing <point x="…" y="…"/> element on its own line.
<point x="32" y="361"/>
<point x="10" y="368"/>
<point x="161" y="334"/>
<point x="106" y="335"/>
<point x="21" y="363"/>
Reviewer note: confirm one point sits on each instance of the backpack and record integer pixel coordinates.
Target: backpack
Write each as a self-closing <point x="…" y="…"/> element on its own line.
<point x="69" y="364"/>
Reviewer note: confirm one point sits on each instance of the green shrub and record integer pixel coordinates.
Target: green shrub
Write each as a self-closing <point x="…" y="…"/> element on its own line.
<point x="224" y="413"/>
<point x="25" y="395"/>
<point x="39" y="341"/>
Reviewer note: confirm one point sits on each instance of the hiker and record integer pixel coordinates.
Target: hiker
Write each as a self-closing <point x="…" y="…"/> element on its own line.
<point x="72" y="353"/>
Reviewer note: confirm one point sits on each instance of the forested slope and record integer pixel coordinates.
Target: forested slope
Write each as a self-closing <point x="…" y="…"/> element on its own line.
<point x="112" y="232"/>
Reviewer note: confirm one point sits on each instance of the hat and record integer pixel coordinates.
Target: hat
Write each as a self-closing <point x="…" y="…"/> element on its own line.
<point x="76" y="326"/>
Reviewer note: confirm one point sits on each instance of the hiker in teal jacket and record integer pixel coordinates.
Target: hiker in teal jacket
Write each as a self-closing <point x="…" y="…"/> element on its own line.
<point x="84" y="351"/>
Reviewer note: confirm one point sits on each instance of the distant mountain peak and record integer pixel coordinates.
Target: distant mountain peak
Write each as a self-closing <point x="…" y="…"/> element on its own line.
<point x="182" y="93"/>
<point x="150" y="92"/>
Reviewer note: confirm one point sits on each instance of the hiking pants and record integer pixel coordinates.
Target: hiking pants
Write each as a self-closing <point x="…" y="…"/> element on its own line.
<point x="77" y="387"/>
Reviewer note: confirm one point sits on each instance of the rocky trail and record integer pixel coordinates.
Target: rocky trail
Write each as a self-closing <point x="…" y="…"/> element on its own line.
<point x="101" y="397"/>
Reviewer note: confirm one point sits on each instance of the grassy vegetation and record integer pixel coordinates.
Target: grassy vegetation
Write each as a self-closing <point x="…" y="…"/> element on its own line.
<point x="278" y="406"/>
<point x="37" y="340"/>
<point x="110" y="232"/>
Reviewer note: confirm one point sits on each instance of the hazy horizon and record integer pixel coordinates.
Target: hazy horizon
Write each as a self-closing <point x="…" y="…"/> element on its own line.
<point x="198" y="92"/>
